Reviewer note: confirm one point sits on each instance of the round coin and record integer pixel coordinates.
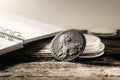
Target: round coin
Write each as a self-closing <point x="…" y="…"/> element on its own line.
<point x="68" y="45"/>
<point x="103" y="31"/>
<point x="99" y="49"/>
<point x="92" y="41"/>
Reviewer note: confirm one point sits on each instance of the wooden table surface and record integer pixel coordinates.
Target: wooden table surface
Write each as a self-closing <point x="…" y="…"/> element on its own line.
<point x="35" y="60"/>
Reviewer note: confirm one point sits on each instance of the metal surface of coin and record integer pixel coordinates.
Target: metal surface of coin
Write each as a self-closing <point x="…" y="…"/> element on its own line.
<point x="68" y="45"/>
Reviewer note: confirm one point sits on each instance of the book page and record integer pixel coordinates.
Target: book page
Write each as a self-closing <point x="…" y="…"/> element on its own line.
<point x="7" y="45"/>
<point x="30" y="29"/>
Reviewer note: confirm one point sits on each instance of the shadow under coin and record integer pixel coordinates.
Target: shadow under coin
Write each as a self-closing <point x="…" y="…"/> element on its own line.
<point x="104" y="60"/>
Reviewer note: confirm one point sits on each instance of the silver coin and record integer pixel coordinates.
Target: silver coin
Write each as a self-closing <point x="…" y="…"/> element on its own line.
<point x="92" y="40"/>
<point x="103" y="31"/>
<point x="68" y="45"/>
<point x="99" y="49"/>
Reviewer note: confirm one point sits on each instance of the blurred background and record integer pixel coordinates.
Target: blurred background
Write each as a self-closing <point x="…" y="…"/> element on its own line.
<point x="79" y="14"/>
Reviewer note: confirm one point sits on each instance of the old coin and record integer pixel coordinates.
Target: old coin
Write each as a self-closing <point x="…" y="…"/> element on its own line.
<point x="68" y="45"/>
<point x="103" y="31"/>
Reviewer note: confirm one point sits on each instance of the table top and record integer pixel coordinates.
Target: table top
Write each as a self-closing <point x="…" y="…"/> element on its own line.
<point x="35" y="60"/>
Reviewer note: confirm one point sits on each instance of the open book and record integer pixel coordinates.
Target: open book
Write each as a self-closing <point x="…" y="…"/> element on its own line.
<point x="15" y="31"/>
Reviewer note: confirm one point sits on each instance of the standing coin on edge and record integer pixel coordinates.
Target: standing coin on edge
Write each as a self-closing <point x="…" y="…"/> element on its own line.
<point x="68" y="45"/>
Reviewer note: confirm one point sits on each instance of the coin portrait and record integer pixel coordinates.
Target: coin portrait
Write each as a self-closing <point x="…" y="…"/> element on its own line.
<point x="68" y="45"/>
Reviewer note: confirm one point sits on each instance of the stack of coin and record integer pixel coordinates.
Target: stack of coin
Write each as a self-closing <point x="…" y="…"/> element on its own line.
<point x="94" y="47"/>
<point x="102" y="31"/>
<point x="71" y="44"/>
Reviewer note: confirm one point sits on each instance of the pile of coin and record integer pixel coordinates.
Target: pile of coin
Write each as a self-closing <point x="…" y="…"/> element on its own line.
<point x="71" y="44"/>
<point x="94" y="47"/>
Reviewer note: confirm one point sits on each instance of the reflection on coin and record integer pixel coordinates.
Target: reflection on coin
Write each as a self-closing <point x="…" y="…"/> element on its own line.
<point x="68" y="45"/>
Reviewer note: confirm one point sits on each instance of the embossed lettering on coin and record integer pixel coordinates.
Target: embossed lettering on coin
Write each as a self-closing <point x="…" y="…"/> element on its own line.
<point x="68" y="45"/>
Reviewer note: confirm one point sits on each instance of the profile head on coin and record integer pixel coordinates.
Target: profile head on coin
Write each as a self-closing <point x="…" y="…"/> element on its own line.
<point x="68" y="45"/>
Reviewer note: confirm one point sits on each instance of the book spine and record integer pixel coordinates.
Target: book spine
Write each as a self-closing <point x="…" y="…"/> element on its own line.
<point x="10" y="35"/>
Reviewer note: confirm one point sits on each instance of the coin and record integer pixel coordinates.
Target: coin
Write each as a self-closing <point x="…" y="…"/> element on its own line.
<point x="93" y="53"/>
<point x="68" y="45"/>
<point x="92" y="41"/>
<point x="103" y="31"/>
<point x="99" y="49"/>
